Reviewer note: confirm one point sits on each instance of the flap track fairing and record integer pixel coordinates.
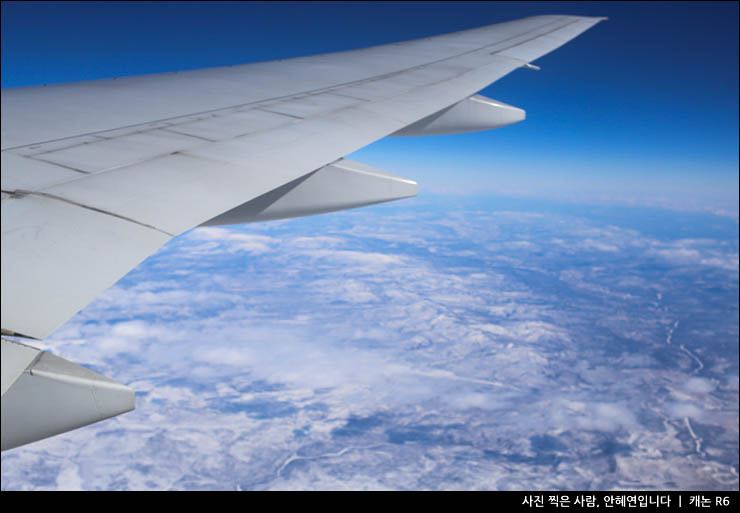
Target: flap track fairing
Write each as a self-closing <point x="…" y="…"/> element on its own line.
<point x="473" y="114"/>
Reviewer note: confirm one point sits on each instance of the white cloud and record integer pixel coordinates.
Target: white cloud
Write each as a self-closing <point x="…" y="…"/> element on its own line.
<point x="684" y="409"/>
<point x="598" y="416"/>
<point x="599" y="246"/>
<point x="347" y="257"/>
<point x="69" y="478"/>
<point x="231" y="240"/>
<point x="700" y="385"/>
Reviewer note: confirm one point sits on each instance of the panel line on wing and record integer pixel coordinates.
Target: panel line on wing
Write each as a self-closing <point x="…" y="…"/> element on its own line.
<point x="172" y="130"/>
<point x="88" y="207"/>
<point x="65" y="166"/>
<point x="533" y="38"/>
<point x="266" y="109"/>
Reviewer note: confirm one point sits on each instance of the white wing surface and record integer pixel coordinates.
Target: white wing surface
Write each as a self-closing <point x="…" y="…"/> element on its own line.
<point x="98" y="175"/>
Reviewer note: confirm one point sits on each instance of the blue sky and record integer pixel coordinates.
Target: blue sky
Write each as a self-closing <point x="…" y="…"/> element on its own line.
<point x="640" y="109"/>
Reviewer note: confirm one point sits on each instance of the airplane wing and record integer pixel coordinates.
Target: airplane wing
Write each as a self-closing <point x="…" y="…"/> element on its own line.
<point x="98" y="175"/>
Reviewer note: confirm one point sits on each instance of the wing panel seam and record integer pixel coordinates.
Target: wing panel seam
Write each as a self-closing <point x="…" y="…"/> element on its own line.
<point x="22" y="193"/>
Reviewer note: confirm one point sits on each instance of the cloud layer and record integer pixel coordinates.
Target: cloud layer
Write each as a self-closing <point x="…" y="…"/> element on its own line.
<point x="411" y="347"/>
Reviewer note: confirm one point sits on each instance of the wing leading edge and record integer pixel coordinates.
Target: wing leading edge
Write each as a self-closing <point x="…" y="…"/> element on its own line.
<point x="96" y="176"/>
